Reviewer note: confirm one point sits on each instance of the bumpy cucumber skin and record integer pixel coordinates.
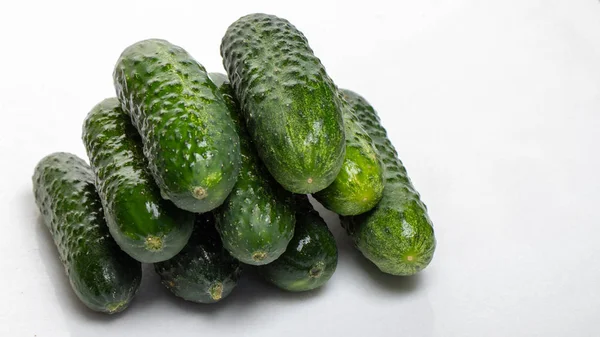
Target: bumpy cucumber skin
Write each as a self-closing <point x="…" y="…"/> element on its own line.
<point x="104" y="278"/>
<point x="397" y="235"/>
<point x="311" y="257"/>
<point x="147" y="227"/>
<point x="188" y="137"/>
<point x="359" y="185"/>
<point x="203" y="272"/>
<point x="256" y="222"/>
<point x="288" y="101"/>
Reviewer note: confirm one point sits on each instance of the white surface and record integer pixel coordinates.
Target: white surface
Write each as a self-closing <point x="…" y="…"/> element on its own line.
<point x="494" y="107"/>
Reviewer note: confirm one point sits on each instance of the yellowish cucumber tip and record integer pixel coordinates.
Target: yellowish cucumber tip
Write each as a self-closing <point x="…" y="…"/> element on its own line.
<point x="199" y="192"/>
<point x="259" y="256"/>
<point x="113" y="308"/>
<point x="164" y="195"/>
<point x="316" y="270"/>
<point x="410" y="258"/>
<point x="309" y="180"/>
<point x="216" y="291"/>
<point x="365" y="197"/>
<point x="154" y="243"/>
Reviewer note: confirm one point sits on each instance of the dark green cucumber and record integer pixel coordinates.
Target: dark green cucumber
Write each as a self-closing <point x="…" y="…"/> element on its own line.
<point x="397" y="235"/>
<point x="359" y="185"/>
<point x="147" y="227"/>
<point x="256" y="222"/>
<point x="311" y="257"/>
<point x="288" y="101"/>
<point x="203" y="272"/>
<point x="104" y="278"/>
<point x="188" y="137"/>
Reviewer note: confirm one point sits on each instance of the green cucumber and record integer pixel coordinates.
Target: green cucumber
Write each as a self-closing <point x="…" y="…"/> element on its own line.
<point x="311" y="257"/>
<point x="147" y="227"/>
<point x="103" y="277"/>
<point x="397" y="235"/>
<point x="203" y="272"/>
<point x="359" y="185"/>
<point x="188" y="137"/>
<point x="288" y="101"/>
<point x="256" y="222"/>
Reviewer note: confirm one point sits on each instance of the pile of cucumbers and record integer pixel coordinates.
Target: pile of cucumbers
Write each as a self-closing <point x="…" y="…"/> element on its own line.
<point x="203" y="174"/>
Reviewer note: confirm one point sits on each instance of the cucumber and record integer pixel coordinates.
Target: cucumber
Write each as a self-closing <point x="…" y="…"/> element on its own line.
<point x="147" y="227"/>
<point x="103" y="277"/>
<point x="188" y="137"/>
<point x="256" y="222"/>
<point x="311" y="257"/>
<point x="288" y="101"/>
<point x="397" y="235"/>
<point x="203" y="272"/>
<point x="359" y="185"/>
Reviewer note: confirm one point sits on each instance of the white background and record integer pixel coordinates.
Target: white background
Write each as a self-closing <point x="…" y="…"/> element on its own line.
<point x="494" y="106"/>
